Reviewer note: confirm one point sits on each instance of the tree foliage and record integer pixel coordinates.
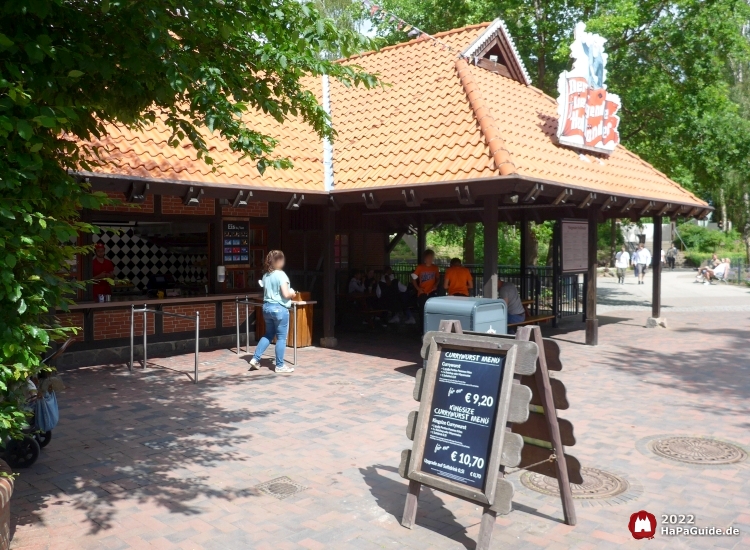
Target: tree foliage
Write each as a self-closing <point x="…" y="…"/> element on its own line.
<point x="69" y="68"/>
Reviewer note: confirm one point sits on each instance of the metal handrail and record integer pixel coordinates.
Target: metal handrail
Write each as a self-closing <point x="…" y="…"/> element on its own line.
<point x="247" y="304"/>
<point x="145" y="312"/>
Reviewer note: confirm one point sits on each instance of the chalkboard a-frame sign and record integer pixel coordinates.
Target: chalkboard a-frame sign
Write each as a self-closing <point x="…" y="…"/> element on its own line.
<point x="462" y="416"/>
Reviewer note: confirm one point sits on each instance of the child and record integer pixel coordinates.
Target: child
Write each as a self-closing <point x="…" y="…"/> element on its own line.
<point x="458" y="280"/>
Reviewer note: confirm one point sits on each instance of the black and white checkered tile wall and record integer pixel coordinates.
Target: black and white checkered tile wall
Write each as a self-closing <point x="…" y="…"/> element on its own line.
<point x="136" y="258"/>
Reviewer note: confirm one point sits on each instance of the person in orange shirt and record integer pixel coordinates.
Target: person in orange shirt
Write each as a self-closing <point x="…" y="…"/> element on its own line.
<point x="426" y="279"/>
<point x="458" y="280"/>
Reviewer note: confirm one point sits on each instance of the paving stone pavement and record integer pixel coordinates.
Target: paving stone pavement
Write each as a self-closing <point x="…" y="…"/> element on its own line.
<point x="150" y="460"/>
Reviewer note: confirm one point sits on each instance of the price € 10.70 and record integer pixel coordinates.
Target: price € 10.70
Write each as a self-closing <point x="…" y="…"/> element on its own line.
<point x="480" y="400"/>
<point x="470" y="461"/>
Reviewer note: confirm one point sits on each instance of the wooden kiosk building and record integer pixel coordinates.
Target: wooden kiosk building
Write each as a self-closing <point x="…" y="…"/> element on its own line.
<point x="457" y="135"/>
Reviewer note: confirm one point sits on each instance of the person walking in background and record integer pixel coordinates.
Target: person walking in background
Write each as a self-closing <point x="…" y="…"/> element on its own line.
<point x="102" y="268"/>
<point x="425" y="280"/>
<point x="277" y="299"/>
<point x="396" y="296"/>
<point x="663" y="257"/>
<point x="671" y="256"/>
<point x="458" y="280"/>
<point x="622" y="262"/>
<point x="641" y="260"/>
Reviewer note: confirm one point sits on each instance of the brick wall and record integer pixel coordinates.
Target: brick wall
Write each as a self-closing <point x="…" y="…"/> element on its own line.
<point x="253" y="209"/>
<point x="177" y="324"/>
<point x="146" y="207"/>
<point x="116" y="324"/>
<point x="228" y="314"/>
<point x="72" y="320"/>
<point x="173" y="205"/>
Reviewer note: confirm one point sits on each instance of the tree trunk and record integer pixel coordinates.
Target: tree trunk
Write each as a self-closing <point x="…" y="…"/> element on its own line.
<point x="532" y="250"/>
<point x="724" y="224"/>
<point x="613" y="243"/>
<point x="469" y="241"/>
<point x="746" y="228"/>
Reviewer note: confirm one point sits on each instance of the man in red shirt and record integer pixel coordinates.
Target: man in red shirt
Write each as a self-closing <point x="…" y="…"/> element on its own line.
<point x="101" y="268"/>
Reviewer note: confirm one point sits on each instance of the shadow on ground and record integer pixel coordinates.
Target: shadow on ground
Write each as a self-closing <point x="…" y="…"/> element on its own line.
<point x="139" y="438"/>
<point x="390" y="495"/>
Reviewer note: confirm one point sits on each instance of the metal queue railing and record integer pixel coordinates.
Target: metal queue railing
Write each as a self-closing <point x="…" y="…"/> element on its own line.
<point x="145" y="311"/>
<point x="247" y="302"/>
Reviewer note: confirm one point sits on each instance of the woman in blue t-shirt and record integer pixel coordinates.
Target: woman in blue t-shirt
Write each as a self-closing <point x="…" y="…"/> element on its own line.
<point x="277" y="299"/>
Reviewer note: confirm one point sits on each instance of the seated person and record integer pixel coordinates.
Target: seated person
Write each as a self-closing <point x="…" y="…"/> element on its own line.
<point x="357" y="282"/>
<point x="395" y="296"/>
<point x="458" y="280"/>
<point x="509" y="294"/>
<point x="718" y="272"/>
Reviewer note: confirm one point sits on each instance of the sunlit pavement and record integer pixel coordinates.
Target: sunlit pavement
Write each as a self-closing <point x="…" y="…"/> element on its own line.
<point x="150" y="460"/>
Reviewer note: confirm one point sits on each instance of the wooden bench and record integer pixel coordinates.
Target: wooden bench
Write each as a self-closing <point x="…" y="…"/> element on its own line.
<point x="362" y="307"/>
<point x="532" y="320"/>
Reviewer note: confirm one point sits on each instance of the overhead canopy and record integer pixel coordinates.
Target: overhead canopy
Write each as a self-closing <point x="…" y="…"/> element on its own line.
<point x="456" y="114"/>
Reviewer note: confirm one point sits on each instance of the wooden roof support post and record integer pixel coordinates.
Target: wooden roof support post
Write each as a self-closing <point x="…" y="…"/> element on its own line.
<point x="656" y="273"/>
<point x="329" y="279"/>
<point x="525" y="229"/>
<point x="592" y="323"/>
<point x="490" y="247"/>
<point x="421" y="239"/>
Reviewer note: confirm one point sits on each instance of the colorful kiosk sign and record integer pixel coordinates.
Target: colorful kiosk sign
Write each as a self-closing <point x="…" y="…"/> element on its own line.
<point x="588" y="113"/>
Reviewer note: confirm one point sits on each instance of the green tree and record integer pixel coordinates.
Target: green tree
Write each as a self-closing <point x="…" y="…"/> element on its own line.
<point x="69" y="68"/>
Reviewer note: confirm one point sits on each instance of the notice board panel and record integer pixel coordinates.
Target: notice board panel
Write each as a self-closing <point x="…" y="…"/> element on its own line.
<point x="575" y="246"/>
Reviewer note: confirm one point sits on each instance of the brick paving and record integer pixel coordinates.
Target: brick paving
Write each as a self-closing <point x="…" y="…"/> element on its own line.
<point x="150" y="460"/>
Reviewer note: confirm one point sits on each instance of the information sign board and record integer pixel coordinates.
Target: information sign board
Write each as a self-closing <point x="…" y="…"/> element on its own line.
<point x="575" y="243"/>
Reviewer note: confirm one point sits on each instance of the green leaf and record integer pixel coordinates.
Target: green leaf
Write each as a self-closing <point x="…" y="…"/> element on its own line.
<point x="5" y="42"/>
<point x="24" y="129"/>
<point x="10" y="261"/>
<point x="75" y="73"/>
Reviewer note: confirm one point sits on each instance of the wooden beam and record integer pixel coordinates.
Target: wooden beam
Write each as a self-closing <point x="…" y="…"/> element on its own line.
<point x="649" y="206"/>
<point x="533" y="193"/>
<point x="394" y="241"/>
<point x="656" y="270"/>
<point x="608" y="203"/>
<point x="592" y="323"/>
<point x="563" y="197"/>
<point x="588" y="200"/>
<point x="490" y="247"/>
<point x="329" y="279"/>
<point x="664" y="209"/>
<point x="628" y="205"/>
<point x="464" y="196"/>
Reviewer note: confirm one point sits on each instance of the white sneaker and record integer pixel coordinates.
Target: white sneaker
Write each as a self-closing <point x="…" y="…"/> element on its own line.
<point x="706" y="283"/>
<point x="410" y="321"/>
<point x="254" y="364"/>
<point x="395" y="319"/>
<point x="284" y="370"/>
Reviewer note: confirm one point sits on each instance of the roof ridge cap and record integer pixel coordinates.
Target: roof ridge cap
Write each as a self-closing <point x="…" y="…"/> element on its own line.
<point x="420" y="38"/>
<point x="500" y="154"/>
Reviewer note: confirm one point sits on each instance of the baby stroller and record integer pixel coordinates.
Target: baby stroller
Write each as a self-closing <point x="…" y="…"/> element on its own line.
<point x="42" y="402"/>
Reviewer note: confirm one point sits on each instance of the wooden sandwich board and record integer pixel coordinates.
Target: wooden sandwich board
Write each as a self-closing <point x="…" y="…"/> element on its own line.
<point x="467" y="400"/>
<point x="544" y="432"/>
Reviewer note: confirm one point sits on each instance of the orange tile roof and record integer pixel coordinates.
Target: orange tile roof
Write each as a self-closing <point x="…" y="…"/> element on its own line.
<point x="427" y="124"/>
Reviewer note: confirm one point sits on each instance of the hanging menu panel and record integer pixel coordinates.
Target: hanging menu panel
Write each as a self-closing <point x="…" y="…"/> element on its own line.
<point x="236" y="243"/>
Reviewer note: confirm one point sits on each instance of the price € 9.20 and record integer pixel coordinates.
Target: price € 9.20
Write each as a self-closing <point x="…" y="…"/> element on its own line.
<point x="480" y="400"/>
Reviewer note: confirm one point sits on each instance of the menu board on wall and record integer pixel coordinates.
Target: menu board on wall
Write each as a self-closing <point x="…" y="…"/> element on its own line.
<point x="575" y="246"/>
<point x="236" y="243"/>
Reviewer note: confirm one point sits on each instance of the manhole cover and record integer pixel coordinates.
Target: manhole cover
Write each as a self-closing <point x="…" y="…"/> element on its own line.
<point x="596" y="484"/>
<point x="697" y="450"/>
<point x="281" y="487"/>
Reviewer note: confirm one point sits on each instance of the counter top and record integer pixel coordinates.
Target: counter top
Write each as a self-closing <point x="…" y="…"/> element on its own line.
<point x="115" y="304"/>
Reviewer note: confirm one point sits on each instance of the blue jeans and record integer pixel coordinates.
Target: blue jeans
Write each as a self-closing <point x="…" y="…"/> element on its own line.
<point x="277" y="324"/>
<point x="520" y="318"/>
